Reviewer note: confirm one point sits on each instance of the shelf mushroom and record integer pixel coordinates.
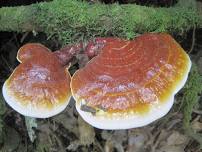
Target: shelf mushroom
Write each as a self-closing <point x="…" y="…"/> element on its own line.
<point x="40" y="86"/>
<point x="130" y="84"/>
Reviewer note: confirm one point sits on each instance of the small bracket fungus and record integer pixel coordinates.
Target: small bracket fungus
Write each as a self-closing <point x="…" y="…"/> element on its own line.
<point x="29" y="50"/>
<point x="40" y="86"/>
<point x="131" y="83"/>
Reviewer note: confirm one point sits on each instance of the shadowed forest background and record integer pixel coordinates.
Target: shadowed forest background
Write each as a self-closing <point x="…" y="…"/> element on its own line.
<point x="56" y="23"/>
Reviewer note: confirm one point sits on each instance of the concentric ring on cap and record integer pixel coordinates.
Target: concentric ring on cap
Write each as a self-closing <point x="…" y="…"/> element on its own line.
<point x="131" y="83"/>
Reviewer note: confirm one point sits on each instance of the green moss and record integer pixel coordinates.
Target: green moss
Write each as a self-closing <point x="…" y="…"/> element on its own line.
<point x="15" y="17"/>
<point x="73" y="20"/>
<point x="192" y="92"/>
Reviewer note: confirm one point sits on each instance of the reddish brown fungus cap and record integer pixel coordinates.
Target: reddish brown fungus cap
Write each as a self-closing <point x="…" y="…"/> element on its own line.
<point x="40" y="86"/>
<point x="131" y="83"/>
<point x="30" y="50"/>
<point x="94" y="46"/>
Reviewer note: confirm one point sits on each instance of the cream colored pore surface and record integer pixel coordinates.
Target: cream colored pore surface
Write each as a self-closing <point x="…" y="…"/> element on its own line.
<point x="31" y="110"/>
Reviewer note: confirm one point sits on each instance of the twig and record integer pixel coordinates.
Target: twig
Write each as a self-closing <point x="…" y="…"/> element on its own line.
<point x="198" y="112"/>
<point x="173" y="123"/>
<point x="9" y="67"/>
<point x="96" y="142"/>
<point x="156" y="142"/>
<point x="62" y="148"/>
<point x="23" y="37"/>
<point x="193" y="39"/>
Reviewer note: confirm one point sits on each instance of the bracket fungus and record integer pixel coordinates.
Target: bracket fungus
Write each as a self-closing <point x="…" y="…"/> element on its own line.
<point x="130" y="83"/>
<point x="40" y="86"/>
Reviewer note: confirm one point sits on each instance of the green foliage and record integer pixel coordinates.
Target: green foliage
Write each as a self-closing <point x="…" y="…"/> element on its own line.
<point x="2" y="111"/>
<point x="42" y="148"/>
<point x="192" y="92"/>
<point x="2" y="105"/>
<point x="9" y="137"/>
<point x="12" y="140"/>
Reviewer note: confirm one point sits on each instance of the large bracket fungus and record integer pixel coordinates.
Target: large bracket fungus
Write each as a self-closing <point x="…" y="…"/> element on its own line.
<point x="40" y="86"/>
<point x="130" y="83"/>
<point x="126" y="84"/>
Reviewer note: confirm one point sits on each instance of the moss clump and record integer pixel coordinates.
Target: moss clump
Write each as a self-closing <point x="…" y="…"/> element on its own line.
<point x="192" y="92"/>
<point x="73" y="20"/>
<point x="18" y="19"/>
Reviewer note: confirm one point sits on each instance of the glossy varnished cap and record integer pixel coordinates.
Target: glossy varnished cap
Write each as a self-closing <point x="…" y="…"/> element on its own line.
<point x="131" y="83"/>
<point x="40" y="86"/>
<point x="30" y="50"/>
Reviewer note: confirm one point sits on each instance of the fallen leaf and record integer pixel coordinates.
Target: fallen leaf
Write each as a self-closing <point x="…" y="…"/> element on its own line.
<point x="87" y="133"/>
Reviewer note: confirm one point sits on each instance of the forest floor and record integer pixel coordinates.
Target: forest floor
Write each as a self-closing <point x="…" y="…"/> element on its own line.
<point x="68" y="132"/>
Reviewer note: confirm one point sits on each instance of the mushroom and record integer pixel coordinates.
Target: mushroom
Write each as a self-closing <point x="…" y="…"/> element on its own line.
<point x="130" y="84"/>
<point x="40" y="86"/>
